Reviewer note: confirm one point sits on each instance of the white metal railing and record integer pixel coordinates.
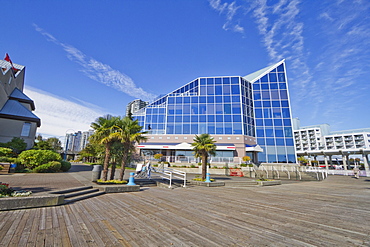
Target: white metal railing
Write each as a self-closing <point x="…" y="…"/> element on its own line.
<point x="263" y="168"/>
<point x="273" y="168"/>
<point x="169" y="174"/>
<point x="284" y="169"/>
<point x="298" y="172"/>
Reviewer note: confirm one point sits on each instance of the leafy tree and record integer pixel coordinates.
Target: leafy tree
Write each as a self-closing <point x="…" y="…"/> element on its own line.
<point x="33" y="158"/>
<point x="103" y="134"/>
<point x="39" y="137"/>
<point x="129" y="133"/>
<point x="16" y="144"/>
<point x="92" y="152"/>
<point x="203" y="146"/>
<point x="302" y="160"/>
<point x="55" y="144"/>
<point x="42" y="145"/>
<point x="246" y="159"/>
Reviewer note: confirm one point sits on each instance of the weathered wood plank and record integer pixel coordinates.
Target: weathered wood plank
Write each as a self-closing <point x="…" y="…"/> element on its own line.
<point x="20" y="229"/>
<point x="63" y="227"/>
<point x="34" y="228"/>
<point x="55" y="231"/>
<point x="12" y="228"/>
<point x="301" y="214"/>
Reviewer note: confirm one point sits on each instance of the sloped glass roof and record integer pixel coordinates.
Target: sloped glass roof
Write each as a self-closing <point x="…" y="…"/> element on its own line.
<point x="258" y="74"/>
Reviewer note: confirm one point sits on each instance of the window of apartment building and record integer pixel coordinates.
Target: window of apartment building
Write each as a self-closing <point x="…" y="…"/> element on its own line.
<point x="26" y="129"/>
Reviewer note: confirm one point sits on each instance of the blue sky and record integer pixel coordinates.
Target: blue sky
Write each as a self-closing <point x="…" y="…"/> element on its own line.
<point x="85" y="59"/>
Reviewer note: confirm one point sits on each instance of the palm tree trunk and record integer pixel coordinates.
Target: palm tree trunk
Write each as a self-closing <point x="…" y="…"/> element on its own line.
<point x="123" y="166"/>
<point x="204" y="166"/>
<point x="106" y="162"/>
<point x="113" y="171"/>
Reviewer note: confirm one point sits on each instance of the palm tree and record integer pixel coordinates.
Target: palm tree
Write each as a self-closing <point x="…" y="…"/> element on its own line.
<point x="203" y="147"/>
<point x="129" y="133"/>
<point x="104" y="134"/>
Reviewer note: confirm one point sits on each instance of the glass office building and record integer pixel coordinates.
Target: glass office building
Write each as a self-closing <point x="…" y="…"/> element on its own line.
<point x="255" y="109"/>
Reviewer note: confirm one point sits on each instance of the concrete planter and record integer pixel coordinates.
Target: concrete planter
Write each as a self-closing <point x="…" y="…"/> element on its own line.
<point x="11" y="203"/>
<point x="212" y="184"/>
<point x="269" y="183"/>
<point x="119" y="188"/>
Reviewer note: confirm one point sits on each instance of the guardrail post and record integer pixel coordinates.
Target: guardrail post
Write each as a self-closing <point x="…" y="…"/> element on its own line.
<point x="131" y="180"/>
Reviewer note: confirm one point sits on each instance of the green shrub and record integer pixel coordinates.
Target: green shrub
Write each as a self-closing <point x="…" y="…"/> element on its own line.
<point x="243" y="165"/>
<point x="65" y="166"/>
<point x="5" y="190"/>
<point x="52" y="166"/>
<point x="5" y="152"/>
<point x="158" y="156"/>
<point x="33" y="158"/>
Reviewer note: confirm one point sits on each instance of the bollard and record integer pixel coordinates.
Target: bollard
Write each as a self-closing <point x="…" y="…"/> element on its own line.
<point x="131" y="179"/>
<point x="208" y="180"/>
<point x="96" y="172"/>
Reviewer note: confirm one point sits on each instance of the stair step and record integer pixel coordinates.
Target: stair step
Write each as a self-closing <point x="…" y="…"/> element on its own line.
<point x="82" y="197"/>
<point x="80" y="192"/>
<point x="65" y="191"/>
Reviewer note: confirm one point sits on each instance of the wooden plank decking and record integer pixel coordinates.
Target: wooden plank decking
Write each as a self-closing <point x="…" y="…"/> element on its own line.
<point x="334" y="212"/>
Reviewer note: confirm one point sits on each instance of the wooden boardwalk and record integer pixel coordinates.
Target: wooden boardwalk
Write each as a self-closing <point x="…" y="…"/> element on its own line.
<point x="334" y="212"/>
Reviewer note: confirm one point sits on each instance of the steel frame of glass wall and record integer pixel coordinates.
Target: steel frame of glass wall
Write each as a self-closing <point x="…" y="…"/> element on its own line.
<point x="256" y="105"/>
<point x="272" y="115"/>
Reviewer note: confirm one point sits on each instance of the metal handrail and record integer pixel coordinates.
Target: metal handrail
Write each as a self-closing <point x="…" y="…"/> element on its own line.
<point x="169" y="174"/>
<point x="284" y="168"/>
<point x="264" y="168"/>
<point x="274" y="169"/>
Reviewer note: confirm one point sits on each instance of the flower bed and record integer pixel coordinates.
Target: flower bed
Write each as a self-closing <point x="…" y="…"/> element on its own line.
<point x="6" y="191"/>
<point x="109" y="182"/>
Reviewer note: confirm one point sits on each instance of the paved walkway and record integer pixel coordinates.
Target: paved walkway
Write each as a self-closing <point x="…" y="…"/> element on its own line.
<point x="334" y="212"/>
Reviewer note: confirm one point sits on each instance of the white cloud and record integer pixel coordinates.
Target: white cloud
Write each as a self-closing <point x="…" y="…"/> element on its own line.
<point x="59" y="115"/>
<point x="100" y="72"/>
<point x="230" y="10"/>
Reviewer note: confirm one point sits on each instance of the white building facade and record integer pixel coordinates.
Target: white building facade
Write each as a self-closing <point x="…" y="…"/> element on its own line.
<point x="317" y="141"/>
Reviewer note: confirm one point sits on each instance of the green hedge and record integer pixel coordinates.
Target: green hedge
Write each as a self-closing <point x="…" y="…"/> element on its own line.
<point x="34" y="158"/>
<point x="52" y="166"/>
<point x="65" y="166"/>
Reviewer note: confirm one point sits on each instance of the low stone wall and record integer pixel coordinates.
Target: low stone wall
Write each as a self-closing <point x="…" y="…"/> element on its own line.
<point x="212" y="184"/>
<point x="11" y="203"/>
<point x="269" y="183"/>
<point x="119" y="189"/>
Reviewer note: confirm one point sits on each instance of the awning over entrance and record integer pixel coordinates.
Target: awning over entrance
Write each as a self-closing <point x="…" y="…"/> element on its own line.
<point x="254" y="148"/>
<point x="181" y="146"/>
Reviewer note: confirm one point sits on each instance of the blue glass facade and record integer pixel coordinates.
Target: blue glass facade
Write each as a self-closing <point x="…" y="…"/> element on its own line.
<point x="256" y="105"/>
<point x="273" y="117"/>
